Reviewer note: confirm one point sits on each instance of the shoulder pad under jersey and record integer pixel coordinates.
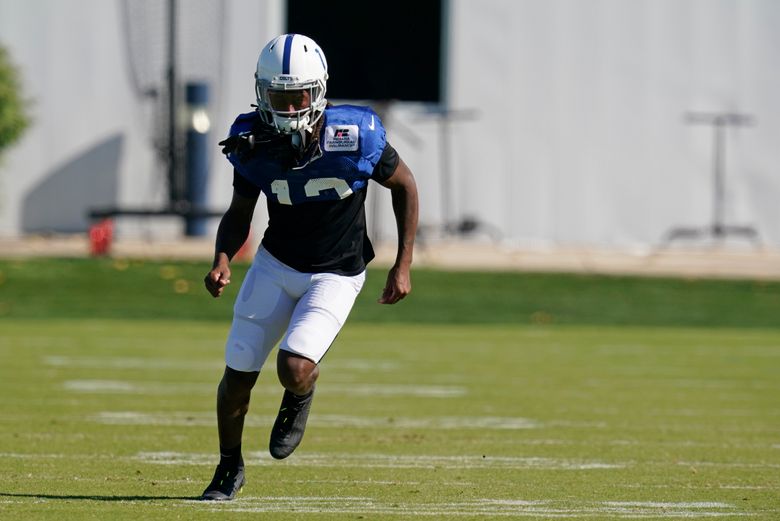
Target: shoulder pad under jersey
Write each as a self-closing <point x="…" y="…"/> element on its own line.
<point x="244" y="123"/>
<point x="353" y="129"/>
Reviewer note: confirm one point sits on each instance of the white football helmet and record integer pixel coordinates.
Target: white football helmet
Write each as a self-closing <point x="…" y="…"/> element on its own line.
<point x="290" y="83"/>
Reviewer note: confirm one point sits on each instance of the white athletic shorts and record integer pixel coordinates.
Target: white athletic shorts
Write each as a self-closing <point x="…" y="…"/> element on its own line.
<point x="308" y="309"/>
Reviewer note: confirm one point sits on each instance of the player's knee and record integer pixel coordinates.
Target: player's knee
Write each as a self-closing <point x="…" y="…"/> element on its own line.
<point x="296" y="374"/>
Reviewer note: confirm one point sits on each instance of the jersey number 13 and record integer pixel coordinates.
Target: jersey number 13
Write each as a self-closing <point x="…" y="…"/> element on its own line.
<point x="313" y="188"/>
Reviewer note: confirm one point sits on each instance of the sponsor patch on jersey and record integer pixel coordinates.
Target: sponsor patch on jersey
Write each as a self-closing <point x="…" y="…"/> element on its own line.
<point x="341" y="138"/>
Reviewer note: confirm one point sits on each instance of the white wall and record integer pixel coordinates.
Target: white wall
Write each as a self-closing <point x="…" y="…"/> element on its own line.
<point x="66" y="53"/>
<point x="72" y="56"/>
<point x="579" y="136"/>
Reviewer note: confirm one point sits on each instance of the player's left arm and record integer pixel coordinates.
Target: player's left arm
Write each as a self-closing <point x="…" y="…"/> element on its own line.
<point x="405" y="206"/>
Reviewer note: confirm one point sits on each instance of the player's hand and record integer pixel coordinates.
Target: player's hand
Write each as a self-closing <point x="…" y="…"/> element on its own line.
<point x="217" y="279"/>
<point x="397" y="287"/>
<point x="240" y="144"/>
<point x="246" y="144"/>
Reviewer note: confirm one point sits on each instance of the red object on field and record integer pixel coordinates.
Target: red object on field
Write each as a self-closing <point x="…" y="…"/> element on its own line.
<point x="100" y="236"/>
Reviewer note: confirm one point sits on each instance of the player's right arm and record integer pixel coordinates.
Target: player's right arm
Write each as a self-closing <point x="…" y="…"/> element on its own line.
<point x="232" y="233"/>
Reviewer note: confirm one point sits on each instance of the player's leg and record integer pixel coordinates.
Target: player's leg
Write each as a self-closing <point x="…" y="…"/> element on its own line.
<point x="316" y="320"/>
<point x="260" y="317"/>
<point x="232" y="405"/>
<point x="233" y="396"/>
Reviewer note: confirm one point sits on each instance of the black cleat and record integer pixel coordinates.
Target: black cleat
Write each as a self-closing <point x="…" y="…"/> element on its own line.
<point x="225" y="484"/>
<point x="287" y="432"/>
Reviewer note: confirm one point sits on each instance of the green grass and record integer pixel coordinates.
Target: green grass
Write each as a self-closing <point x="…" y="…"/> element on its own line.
<point x="122" y="289"/>
<point x="483" y="396"/>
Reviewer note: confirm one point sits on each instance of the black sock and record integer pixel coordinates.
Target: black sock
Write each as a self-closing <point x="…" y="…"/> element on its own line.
<point x="231" y="457"/>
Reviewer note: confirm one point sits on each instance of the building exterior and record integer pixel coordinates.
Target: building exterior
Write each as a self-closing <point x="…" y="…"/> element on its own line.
<point x="567" y="118"/>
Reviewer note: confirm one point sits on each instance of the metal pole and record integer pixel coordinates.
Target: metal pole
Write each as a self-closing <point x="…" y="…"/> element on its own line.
<point x="174" y="195"/>
<point x="446" y="170"/>
<point x="718" y="183"/>
<point x="447" y="179"/>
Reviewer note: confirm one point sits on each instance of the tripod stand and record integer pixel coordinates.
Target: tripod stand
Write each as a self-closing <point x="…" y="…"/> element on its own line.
<point x="718" y="229"/>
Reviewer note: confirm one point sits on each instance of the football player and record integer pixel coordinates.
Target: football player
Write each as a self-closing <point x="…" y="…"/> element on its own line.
<point x="313" y="162"/>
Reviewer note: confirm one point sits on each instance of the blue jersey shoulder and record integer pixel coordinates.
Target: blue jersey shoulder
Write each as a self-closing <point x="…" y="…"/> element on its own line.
<point x="352" y="129"/>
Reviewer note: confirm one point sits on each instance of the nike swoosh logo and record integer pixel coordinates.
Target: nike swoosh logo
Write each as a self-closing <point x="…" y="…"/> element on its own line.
<point x="371" y="125"/>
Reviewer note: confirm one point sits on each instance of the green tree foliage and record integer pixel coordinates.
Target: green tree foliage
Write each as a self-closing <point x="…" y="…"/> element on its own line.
<point x="13" y="118"/>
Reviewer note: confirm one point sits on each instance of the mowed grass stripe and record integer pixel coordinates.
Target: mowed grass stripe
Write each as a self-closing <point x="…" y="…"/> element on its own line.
<point x="487" y="508"/>
<point x="378" y="390"/>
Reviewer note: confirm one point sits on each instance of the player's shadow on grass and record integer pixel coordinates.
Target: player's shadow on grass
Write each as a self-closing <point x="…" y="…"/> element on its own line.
<point x="98" y="498"/>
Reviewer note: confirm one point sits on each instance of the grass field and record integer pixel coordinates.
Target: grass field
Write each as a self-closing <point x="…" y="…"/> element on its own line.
<point x="482" y="396"/>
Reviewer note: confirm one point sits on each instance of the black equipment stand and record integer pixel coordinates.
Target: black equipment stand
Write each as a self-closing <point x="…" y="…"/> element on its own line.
<point x="718" y="229"/>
